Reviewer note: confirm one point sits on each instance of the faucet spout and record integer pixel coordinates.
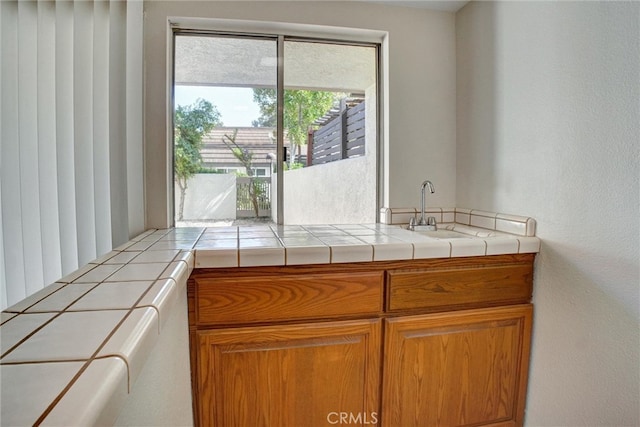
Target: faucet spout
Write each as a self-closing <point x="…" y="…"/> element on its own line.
<point x="425" y="185"/>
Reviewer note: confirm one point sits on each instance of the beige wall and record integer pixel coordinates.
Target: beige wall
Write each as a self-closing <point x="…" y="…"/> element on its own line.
<point x="419" y="108"/>
<point x="548" y="127"/>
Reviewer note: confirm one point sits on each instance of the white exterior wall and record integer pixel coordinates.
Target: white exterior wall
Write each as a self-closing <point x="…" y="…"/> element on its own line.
<point x="209" y="196"/>
<point x="339" y="192"/>
<point x="548" y="127"/>
<point x="332" y="193"/>
<point x="418" y="105"/>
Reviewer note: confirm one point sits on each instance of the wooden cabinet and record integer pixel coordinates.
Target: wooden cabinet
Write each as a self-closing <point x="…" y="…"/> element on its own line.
<point x="461" y="368"/>
<point x="439" y="289"/>
<point x="251" y="299"/>
<point x="288" y="375"/>
<point x="303" y="345"/>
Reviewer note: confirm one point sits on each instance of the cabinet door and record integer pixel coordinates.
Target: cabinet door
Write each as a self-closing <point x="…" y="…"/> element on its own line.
<point x="289" y="375"/>
<point x="454" y="369"/>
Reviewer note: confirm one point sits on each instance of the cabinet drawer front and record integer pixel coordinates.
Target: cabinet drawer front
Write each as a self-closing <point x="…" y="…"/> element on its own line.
<point x="464" y="287"/>
<point x="261" y="299"/>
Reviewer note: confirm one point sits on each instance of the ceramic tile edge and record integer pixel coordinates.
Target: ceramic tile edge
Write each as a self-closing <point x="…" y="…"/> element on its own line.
<point x="463" y="216"/>
<point x="528" y="245"/>
<point x="348" y="253"/>
<point x="307" y="255"/>
<point x="514" y="223"/>
<point x="260" y="257"/>
<point x="531" y="227"/>
<point x="162" y="296"/>
<point x="435" y="249"/>
<point x="188" y="257"/>
<point x="133" y="340"/>
<point x="95" y="398"/>
<point x="385" y="215"/>
<point x="392" y="251"/>
<point x="176" y="270"/>
<point x="467" y="247"/>
<point x="217" y="258"/>
<point x="502" y="245"/>
<point x="482" y="219"/>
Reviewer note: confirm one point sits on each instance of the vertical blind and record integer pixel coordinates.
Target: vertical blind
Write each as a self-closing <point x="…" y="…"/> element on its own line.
<point x="71" y="122"/>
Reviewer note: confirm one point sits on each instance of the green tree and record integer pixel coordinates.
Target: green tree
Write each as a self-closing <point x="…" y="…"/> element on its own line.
<point x="246" y="158"/>
<point x="191" y="124"/>
<point x="301" y="109"/>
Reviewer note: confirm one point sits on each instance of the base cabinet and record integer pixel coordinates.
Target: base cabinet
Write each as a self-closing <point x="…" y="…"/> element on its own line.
<point x="441" y="342"/>
<point x="457" y="369"/>
<point x="289" y="375"/>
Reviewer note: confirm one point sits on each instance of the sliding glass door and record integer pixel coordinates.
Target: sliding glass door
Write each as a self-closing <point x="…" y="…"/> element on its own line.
<point x="224" y="141"/>
<point x="269" y="129"/>
<point x="330" y="120"/>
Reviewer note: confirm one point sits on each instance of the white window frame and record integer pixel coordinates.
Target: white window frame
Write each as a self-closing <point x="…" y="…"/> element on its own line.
<point x="323" y="33"/>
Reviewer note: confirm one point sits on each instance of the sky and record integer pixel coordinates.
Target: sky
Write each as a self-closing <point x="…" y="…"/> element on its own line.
<point x="235" y="104"/>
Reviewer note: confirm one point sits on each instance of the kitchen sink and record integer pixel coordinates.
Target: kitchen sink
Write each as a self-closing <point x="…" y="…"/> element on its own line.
<point x="444" y="234"/>
<point x="452" y="231"/>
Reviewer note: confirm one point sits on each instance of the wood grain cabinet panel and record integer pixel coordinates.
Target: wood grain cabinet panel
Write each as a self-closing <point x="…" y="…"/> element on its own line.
<point x="467" y="368"/>
<point x="303" y="345"/>
<point x="437" y="289"/>
<point x="289" y="375"/>
<point x="240" y="300"/>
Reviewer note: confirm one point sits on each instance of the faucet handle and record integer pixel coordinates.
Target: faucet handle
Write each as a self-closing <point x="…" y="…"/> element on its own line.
<point x="412" y="223"/>
<point x="431" y="220"/>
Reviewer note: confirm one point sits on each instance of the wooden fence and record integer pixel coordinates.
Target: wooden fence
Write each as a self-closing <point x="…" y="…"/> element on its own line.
<point x="341" y="138"/>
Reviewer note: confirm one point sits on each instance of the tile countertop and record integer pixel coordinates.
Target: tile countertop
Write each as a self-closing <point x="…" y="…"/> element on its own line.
<point x="72" y="352"/>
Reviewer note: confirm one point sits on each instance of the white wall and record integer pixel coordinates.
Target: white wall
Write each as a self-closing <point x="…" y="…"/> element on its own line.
<point x="421" y="86"/>
<point x="209" y="196"/>
<point x="339" y="192"/>
<point x="332" y="193"/>
<point x="548" y="111"/>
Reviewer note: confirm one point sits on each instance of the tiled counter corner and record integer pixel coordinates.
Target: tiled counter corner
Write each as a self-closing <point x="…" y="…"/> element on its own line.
<point x="86" y="348"/>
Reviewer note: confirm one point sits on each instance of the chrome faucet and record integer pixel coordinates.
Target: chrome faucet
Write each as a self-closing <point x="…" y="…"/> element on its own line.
<point x="423" y="221"/>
